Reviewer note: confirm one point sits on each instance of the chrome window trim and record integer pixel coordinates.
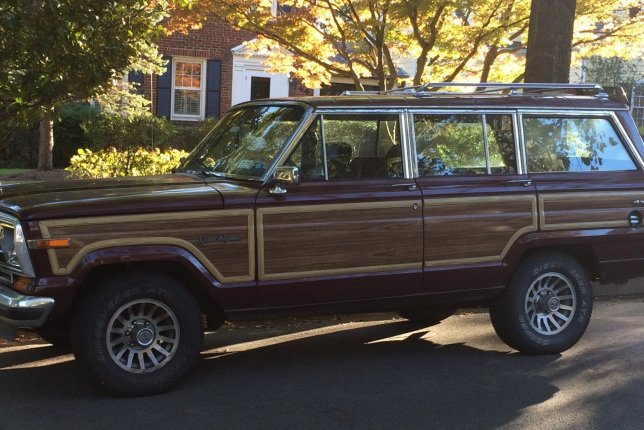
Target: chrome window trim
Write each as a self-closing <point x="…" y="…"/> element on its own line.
<point x="519" y="147"/>
<point x="324" y="155"/>
<point x="362" y="110"/>
<point x="486" y="147"/>
<point x="411" y="154"/>
<point x="609" y="115"/>
<point x="322" y="113"/>
<point x="519" y="154"/>
<point x="404" y="146"/>
<point x="285" y="152"/>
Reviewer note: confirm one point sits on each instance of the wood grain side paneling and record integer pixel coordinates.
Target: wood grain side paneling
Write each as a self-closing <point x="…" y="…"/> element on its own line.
<point x="580" y="210"/>
<point x="337" y="239"/>
<point x="472" y="230"/>
<point x="223" y="241"/>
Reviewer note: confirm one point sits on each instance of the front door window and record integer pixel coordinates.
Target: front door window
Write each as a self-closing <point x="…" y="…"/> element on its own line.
<point x="355" y="146"/>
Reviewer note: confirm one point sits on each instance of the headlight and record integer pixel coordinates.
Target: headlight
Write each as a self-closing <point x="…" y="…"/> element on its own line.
<point x="14" y="255"/>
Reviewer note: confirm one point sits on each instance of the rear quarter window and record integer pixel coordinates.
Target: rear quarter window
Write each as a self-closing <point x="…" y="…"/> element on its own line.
<point x="564" y="144"/>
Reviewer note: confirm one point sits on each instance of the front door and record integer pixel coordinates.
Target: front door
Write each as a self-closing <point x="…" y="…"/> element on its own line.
<point x="352" y="229"/>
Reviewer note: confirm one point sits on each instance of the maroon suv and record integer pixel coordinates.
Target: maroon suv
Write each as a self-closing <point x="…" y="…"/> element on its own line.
<point x="414" y="201"/>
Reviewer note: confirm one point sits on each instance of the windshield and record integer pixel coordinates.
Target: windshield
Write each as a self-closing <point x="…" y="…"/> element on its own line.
<point x="245" y="142"/>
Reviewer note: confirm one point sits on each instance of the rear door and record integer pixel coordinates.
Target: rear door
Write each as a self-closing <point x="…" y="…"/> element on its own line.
<point x="477" y="199"/>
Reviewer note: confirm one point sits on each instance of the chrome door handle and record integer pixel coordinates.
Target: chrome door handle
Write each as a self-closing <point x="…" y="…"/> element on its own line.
<point x="524" y="182"/>
<point x="638" y="202"/>
<point x="409" y="187"/>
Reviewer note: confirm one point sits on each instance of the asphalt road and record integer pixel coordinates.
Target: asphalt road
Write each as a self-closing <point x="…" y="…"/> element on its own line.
<point x="373" y="372"/>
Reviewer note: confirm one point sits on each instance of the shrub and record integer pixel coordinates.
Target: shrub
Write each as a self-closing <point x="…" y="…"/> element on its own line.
<point x="19" y="147"/>
<point x="110" y="162"/>
<point x="83" y="126"/>
<point x="188" y="136"/>
<point x="69" y="135"/>
<point x="116" y="131"/>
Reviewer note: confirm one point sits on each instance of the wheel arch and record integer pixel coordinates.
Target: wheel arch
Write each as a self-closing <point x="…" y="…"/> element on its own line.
<point x="584" y="254"/>
<point x="581" y="248"/>
<point x="176" y="263"/>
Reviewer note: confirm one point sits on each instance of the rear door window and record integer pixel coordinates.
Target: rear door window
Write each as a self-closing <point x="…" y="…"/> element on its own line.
<point x="464" y="144"/>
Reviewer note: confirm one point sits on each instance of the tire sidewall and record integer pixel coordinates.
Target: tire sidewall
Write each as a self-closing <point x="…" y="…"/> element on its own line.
<point x="540" y="343"/>
<point x="90" y="338"/>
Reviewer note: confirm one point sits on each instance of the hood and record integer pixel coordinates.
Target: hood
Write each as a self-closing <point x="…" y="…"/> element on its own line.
<point x="84" y="197"/>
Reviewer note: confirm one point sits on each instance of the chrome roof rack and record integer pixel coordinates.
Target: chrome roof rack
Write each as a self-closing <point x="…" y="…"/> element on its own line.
<point x="430" y="89"/>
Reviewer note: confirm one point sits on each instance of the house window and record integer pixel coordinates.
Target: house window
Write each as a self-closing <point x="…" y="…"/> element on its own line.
<point x="188" y="90"/>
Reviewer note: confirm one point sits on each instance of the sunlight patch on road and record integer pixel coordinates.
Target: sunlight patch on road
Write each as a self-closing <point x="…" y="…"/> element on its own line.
<point x="41" y="363"/>
<point x="271" y="341"/>
<point x="24" y="347"/>
<point x="36" y="363"/>
<point x="416" y="334"/>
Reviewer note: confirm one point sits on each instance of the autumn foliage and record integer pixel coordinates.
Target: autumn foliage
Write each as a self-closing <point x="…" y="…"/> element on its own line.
<point x="438" y="40"/>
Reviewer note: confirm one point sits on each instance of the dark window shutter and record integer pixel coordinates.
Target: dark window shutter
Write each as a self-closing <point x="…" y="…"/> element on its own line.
<point x="213" y="88"/>
<point x="136" y="78"/>
<point x="164" y="88"/>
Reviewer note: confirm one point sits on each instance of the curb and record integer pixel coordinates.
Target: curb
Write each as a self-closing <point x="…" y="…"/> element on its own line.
<point x="628" y="288"/>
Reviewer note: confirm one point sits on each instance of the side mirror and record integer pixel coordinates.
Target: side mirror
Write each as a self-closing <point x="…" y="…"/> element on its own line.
<point x="284" y="175"/>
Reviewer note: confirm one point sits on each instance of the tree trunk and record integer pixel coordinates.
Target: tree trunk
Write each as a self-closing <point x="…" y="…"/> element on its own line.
<point x="46" y="147"/>
<point x="550" y="40"/>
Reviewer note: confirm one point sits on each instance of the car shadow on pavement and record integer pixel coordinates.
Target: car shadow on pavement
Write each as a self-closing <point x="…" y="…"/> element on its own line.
<point x="384" y="375"/>
<point x="329" y="373"/>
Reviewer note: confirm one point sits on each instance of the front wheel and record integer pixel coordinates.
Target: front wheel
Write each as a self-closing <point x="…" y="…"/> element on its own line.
<point x="138" y="334"/>
<point x="547" y="305"/>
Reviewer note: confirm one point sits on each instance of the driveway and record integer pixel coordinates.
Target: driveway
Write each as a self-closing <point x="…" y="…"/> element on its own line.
<point x="371" y="372"/>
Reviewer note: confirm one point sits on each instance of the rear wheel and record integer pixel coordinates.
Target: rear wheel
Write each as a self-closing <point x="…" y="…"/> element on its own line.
<point x="138" y="334"/>
<point x="546" y="307"/>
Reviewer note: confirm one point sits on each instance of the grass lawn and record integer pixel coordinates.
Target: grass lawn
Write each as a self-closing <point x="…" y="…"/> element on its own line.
<point x="6" y="172"/>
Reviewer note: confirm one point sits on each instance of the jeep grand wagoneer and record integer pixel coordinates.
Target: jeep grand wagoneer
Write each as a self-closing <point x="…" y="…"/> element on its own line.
<point x="415" y="201"/>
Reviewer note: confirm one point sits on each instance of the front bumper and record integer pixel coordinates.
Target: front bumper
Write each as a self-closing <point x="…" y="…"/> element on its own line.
<point x="18" y="310"/>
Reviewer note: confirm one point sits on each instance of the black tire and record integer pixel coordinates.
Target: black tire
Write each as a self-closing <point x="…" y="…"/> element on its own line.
<point x="546" y="307"/>
<point x="58" y="335"/>
<point x="428" y="315"/>
<point x="155" y="331"/>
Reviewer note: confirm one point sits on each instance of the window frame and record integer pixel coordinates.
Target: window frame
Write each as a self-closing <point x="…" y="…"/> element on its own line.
<point x="202" y="89"/>
<point x="519" y="153"/>
<point x="403" y="125"/>
<point x="610" y="116"/>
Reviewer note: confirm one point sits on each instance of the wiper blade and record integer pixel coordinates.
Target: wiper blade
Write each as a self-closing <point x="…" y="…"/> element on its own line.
<point x="197" y="168"/>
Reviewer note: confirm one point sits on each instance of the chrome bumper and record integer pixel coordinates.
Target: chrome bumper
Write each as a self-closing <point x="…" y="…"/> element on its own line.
<point x="17" y="310"/>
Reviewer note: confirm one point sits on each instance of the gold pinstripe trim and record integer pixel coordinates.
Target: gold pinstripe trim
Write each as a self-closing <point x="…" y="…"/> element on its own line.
<point x="262" y="275"/>
<point x="488" y="258"/>
<point x="161" y="240"/>
<point x="343" y="271"/>
<point x="578" y="225"/>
